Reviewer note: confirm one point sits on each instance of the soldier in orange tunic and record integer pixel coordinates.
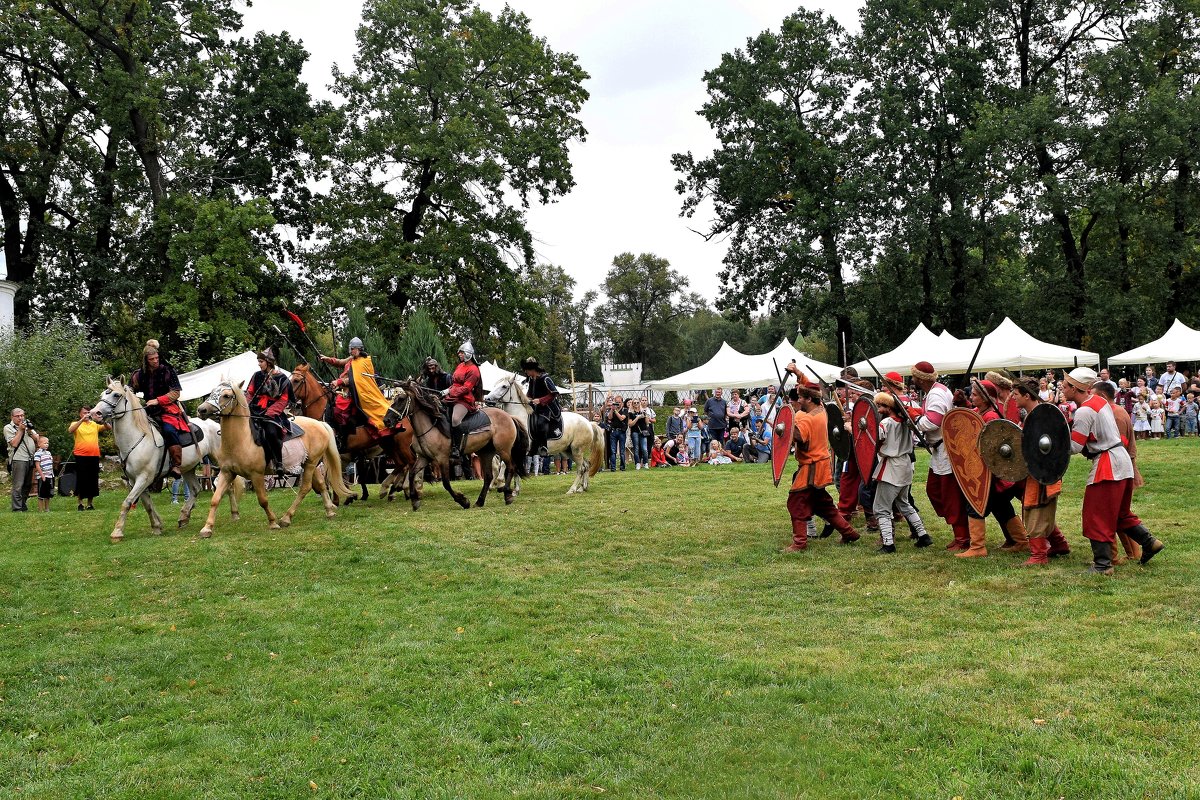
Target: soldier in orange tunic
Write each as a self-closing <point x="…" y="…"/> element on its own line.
<point x="808" y="495"/>
<point x="1039" y="503"/>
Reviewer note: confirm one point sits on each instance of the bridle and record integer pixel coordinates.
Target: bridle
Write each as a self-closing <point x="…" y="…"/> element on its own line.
<point x="302" y="399"/>
<point x="215" y="400"/>
<point x="114" y="413"/>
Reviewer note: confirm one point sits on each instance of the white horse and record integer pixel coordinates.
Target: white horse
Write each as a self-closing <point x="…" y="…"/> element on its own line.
<point x="144" y="456"/>
<point x="582" y="439"/>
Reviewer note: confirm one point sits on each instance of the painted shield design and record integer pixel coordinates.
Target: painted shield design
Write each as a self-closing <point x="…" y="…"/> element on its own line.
<point x="1046" y="444"/>
<point x="781" y="442"/>
<point x="1000" y="448"/>
<point x="839" y="437"/>
<point x="864" y="420"/>
<point x="960" y="434"/>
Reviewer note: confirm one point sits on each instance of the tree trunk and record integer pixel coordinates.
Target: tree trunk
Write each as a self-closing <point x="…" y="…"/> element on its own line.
<point x="837" y="295"/>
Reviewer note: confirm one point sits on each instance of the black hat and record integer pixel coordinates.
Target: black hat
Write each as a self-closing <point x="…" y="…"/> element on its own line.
<point x="267" y="354"/>
<point x="531" y="363"/>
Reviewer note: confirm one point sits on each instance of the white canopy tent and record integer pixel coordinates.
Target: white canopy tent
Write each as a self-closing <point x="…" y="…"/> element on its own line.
<point x="490" y="374"/>
<point x="198" y="383"/>
<point x="921" y="345"/>
<point x="732" y="369"/>
<point x="1007" y="347"/>
<point x="1179" y="343"/>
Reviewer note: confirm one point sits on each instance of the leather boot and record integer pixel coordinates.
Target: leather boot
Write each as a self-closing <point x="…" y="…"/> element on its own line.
<point x="1058" y="543"/>
<point x="799" y="537"/>
<point x="960" y="541"/>
<point x="457" y="438"/>
<point x="978" y="548"/>
<point x="1101" y="559"/>
<point x="1150" y="546"/>
<point x="176" y="454"/>
<point x="1015" y="529"/>
<point x="1132" y="548"/>
<point x="1039" y="548"/>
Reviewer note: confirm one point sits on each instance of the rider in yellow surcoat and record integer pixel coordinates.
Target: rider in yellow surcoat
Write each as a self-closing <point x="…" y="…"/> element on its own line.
<point x="357" y="375"/>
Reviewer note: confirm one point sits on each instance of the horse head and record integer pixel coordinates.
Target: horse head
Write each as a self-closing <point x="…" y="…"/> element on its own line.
<point x="222" y="401"/>
<point x="113" y="397"/>
<point x="400" y="407"/>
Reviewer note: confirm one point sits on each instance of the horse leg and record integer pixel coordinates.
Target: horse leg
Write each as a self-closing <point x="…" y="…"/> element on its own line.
<point x="358" y="471"/>
<point x="581" y="470"/>
<point x="193" y="485"/>
<point x="416" y="480"/>
<point x="485" y="466"/>
<point x="326" y="491"/>
<point x="306" y="482"/>
<point x="512" y="473"/>
<point x="135" y="491"/>
<point x="458" y="496"/>
<point x="260" y="490"/>
<point x="224" y="478"/>
<point x="156" y="523"/>
<point x="235" y="496"/>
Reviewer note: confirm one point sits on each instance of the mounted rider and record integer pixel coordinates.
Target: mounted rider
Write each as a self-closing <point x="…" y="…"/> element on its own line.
<point x="159" y="383"/>
<point x="433" y="376"/>
<point x="546" y="421"/>
<point x="466" y="390"/>
<point x="358" y="376"/>
<point x="269" y="394"/>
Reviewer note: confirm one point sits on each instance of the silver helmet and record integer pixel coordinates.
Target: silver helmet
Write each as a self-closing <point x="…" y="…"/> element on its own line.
<point x="356" y="342"/>
<point x="469" y="349"/>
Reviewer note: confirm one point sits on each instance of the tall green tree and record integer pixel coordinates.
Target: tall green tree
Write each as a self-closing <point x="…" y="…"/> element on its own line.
<point x="639" y="316"/>
<point x="454" y="120"/>
<point x="781" y="177"/>
<point x="419" y="342"/>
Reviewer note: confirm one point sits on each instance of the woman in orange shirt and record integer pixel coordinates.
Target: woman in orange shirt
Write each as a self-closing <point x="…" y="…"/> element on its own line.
<point x="87" y="456"/>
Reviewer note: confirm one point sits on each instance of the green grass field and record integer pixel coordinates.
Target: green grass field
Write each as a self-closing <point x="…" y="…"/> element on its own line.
<point x="646" y="640"/>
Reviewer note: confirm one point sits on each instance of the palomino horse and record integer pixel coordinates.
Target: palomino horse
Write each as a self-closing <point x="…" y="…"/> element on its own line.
<point x="144" y="458"/>
<point x="505" y="437"/>
<point x="313" y="400"/>
<point x="239" y="455"/>
<point x="584" y="440"/>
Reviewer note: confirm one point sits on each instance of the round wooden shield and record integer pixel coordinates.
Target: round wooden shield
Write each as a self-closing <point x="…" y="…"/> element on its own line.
<point x="1000" y="448"/>
<point x="839" y="437"/>
<point x="864" y="421"/>
<point x="781" y="441"/>
<point x="1046" y="443"/>
<point x="960" y="436"/>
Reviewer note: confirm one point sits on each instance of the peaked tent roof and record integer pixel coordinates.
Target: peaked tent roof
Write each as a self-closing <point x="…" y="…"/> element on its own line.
<point x="921" y="345"/>
<point x="1010" y="347"/>
<point x="730" y="368"/>
<point x="490" y="374"/>
<point x="1179" y="343"/>
<point x="199" y="382"/>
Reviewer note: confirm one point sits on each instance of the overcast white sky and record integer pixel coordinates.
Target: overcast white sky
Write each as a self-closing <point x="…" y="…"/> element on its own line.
<point x="647" y="60"/>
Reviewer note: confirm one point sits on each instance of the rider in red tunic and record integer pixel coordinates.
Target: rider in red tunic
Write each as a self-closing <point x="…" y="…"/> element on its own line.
<point x="466" y="389"/>
<point x="159" y="384"/>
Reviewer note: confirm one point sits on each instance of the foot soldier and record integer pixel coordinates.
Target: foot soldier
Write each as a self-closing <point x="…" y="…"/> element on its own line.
<point x="985" y="397"/>
<point x="1110" y="485"/>
<point x="893" y="476"/>
<point x="941" y="486"/>
<point x="269" y="393"/>
<point x="808" y="495"/>
<point x="1039" y="502"/>
<point x="466" y="389"/>
<point x="159" y="384"/>
<point x="433" y="376"/>
<point x="546" y="420"/>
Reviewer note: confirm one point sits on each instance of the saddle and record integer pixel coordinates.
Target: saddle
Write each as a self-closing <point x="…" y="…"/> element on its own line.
<point x="193" y="435"/>
<point x="290" y="430"/>
<point x="472" y="423"/>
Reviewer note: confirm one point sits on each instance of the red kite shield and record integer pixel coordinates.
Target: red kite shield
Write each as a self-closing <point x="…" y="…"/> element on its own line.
<point x="781" y="442"/>
<point x="960" y="433"/>
<point x="864" y="421"/>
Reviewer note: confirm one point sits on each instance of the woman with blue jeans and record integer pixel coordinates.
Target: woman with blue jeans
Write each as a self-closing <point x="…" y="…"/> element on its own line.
<point x="637" y="431"/>
<point x="618" y="424"/>
<point x="695" y="438"/>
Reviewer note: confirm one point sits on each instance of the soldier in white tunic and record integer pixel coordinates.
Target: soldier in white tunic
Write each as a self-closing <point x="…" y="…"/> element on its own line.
<point x="894" y="474"/>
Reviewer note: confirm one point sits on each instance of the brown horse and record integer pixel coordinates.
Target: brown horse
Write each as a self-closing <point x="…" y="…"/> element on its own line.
<point x="505" y="437"/>
<point x="313" y="399"/>
<point x="239" y="455"/>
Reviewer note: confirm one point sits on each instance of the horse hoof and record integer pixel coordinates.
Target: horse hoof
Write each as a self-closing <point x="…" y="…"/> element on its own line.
<point x="508" y="498"/>
<point x="205" y="533"/>
<point x="235" y="517"/>
<point x="156" y="531"/>
<point x="116" y="537"/>
<point x="283" y="523"/>
<point x="479" y="504"/>
<point x="330" y="514"/>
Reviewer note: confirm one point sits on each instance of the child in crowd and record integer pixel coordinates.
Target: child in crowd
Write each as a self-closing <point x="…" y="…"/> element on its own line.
<point x="1141" y="416"/>
<point x="681" y="456"/>
<point x="1191" y="409"/>
<point x="657" y="457"/>
<point x="43" y="472"/>
<point x="694" y="435"/>
<point x="1174" y="409"/>
<point x="716" y="454"/>
<point x="1157" y="414"/>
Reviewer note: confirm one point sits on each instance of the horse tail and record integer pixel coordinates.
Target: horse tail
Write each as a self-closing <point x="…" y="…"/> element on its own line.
<point x="520" y="450"/>
<point x="333" y="465"/>
<point x="599" y="452"/>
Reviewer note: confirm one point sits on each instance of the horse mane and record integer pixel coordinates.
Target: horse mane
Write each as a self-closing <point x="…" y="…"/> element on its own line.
<point x="425" y="399"/>
<point x="140" y="420"/>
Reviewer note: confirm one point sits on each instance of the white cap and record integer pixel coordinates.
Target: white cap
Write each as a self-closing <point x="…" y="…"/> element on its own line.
<point x="1082" y="377"/>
